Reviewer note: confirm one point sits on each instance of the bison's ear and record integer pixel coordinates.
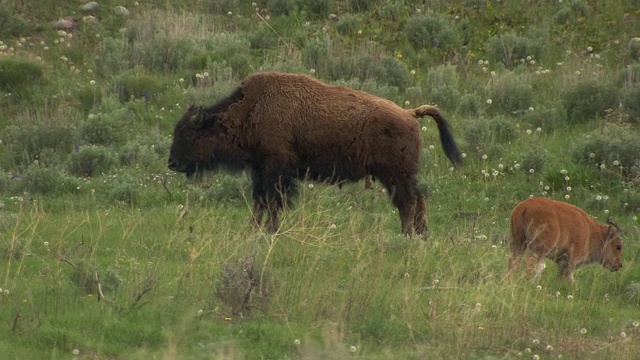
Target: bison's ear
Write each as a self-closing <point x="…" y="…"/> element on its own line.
<point x="612" y="224"/>
<point x="197" y="119"/>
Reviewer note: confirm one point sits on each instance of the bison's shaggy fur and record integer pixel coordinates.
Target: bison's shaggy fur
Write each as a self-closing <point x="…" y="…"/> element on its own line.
<point x="286" y="127"/>
<point x="563" y="233"/>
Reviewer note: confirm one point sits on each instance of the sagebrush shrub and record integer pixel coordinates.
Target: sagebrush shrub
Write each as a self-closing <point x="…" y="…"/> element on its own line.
<point x="364" y="63"/>
<point x="389" y="70"/>
<point x="632" y="293"/>
<point x="264" y="38"/>
<point x="571" y="11"/>
<point x="131" y="86"/>
<point x="12" y="24"/>
<point x="373" y="87"/>
<point x="534" y="158"/>
<point x="486" y="133"/>
<point x="87" y="98"/>
<point x="17" y="74"/>
<point x="348" y="24"/>
<point x="392" y="11"/>
<point x="415" y="96"/>
<point x="243" y="285"/>
<point x="103" y="129"/>
<point x="556" y="177"/>
<point x="318" y="9"/>
<point x="361" y="5"/>
<point x="37" y="179"/>
<point x="115" y="56"/>
<point x="232" y="49"/>
<point x="125" y="188"/>
<point x="27" y="143"/>
<point x="631" y="103"/>
<point x="284" y="7"/>
<point x="548" y="117"/>
<point x="509" y="93"/>
<point x="630" y="202"/>
<point x="91" y="160"/>
<point x="163" y="54"/>
<point x="510" y="48"/>
<point x="431" y="30"/>
<point x="315" y="53"/>
<point x="616" y="147"/>
<point x="146" y="152"/>
<point x="470" y="104"/>
<point x="83" y="277"/>
<point x="441" y="86"/>
<point x="6" y="183"/>
<point x="634" y="50"/>
<point x="629" y="76"/>
<point x="221" y="6"/>
<point x="588" y="100"/>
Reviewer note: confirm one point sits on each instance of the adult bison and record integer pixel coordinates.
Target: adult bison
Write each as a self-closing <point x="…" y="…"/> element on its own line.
<point x="563" y="233"/>
<point x="286" y="127"/>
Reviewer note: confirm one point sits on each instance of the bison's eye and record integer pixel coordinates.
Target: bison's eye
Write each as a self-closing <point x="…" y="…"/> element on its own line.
<point x="189" y="134"/>
<point x="618" y="247"/>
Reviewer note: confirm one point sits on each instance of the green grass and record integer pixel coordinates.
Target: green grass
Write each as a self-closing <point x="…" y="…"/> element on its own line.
<point x="106" y="253"/>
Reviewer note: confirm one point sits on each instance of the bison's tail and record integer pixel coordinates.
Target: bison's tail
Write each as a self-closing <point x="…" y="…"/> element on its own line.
<point x="446" y="138"/>
<point x="425" y="110"/>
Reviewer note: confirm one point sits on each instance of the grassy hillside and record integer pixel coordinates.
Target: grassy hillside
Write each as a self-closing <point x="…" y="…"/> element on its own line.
<point x="106" y="254"/>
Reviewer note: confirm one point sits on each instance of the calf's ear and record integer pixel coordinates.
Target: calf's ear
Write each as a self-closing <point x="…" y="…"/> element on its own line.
<point x="613" y="224"/>
<point x="197" y="118"/>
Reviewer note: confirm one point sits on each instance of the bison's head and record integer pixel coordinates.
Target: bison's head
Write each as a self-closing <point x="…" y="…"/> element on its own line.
<point x="612" y="252"/>
<point x="200" y="142"/>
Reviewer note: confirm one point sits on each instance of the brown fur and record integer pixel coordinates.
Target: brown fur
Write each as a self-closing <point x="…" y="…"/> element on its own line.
<point x="563" y="233"/>
<point x="287" y="127"/>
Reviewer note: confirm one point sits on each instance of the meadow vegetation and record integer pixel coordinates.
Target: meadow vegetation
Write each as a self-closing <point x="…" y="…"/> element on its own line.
<point x="106" y="254"/>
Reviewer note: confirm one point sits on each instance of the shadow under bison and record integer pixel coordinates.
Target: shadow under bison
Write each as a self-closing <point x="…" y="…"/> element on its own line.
<point x="285" y="127"/>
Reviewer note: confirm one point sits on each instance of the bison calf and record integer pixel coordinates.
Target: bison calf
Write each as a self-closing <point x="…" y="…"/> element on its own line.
<point x="286" y="127"/>
<point x="563" y="233"/>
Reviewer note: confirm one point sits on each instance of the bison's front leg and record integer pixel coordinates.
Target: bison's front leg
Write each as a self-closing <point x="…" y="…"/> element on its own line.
<point x="259" y="200"/>
<point x="256" y="214"/>
<point x="272" y="189"/>
<point x="566" y="269"/>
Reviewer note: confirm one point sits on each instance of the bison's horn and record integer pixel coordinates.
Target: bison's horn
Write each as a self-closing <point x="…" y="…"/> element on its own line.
<point x="197" y="118"/>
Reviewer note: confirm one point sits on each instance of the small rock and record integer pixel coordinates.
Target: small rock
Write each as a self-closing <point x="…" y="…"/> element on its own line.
<point x="65" y="24"/>
<point x="121" y="11"/>
<point x="91" y="7"/>
<point x="89" y="19"/>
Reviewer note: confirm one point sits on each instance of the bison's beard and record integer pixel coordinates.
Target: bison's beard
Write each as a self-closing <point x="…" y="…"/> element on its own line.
<point x="191" y="170"/>
<point x="216" y="163"/>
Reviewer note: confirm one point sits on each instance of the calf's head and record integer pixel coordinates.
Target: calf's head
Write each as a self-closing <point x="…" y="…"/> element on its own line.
<point x="199" y="143"/>
<point x="612" y="250"/>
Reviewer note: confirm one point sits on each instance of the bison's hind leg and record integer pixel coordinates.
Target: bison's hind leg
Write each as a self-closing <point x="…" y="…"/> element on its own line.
<point x="517" y="245"/>
<point x="405" y="198"/>
<point x="420" y="218"/>
<point x="513" y="264"/>
<point x="517" y="251"/>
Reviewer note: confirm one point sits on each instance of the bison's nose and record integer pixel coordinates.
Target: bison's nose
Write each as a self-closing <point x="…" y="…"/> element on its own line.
<point x="616" y="267"/>
<point x="173" y="165"/>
